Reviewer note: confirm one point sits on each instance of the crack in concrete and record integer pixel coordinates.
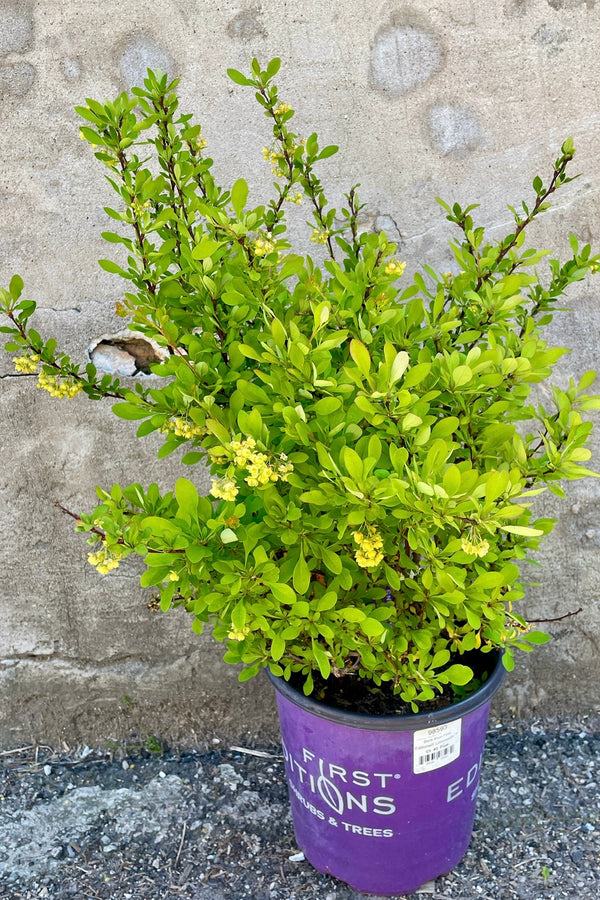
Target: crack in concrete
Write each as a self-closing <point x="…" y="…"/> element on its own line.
<point x="401" y="241"/>
<point x="81" y="663"/>
<point x="19" y="375"/>
<point x="503" y="223"/>
<point x="57" y="309"/>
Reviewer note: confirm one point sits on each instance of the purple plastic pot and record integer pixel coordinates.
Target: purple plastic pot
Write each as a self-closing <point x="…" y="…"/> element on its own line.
<point x="384" y="803"/>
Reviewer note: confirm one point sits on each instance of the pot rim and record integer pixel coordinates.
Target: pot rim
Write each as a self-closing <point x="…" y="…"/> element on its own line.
<point x="408" y="722"/>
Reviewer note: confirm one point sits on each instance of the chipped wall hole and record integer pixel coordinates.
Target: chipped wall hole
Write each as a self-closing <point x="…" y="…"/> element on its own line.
<point x="126" y="353"/>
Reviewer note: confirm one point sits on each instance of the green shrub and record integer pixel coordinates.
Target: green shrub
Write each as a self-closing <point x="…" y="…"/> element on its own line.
<point x="373" y="447"/>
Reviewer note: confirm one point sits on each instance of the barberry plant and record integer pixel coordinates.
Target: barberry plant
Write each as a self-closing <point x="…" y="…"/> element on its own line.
<point x="374" y="447"/>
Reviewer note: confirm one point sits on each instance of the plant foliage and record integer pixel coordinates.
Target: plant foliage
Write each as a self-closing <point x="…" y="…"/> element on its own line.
<point x="374" y="449"/>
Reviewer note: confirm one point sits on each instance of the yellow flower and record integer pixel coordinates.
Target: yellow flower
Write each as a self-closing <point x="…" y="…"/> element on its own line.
<point x="369" y="552"/>
<point x="183" y="428"/>
<point x="224" y="490"/>
<point x="26" y="364"/>
<point x="258" y="468"/>
<point x="198" y="143"/>
<point x="274" y="158"/>
<point x="243" y="451"/>
<point x="58" y="387"/>
<point x="395" y="267"/>
<point x="139" y="208"/>
<point x="104" y="560"/>
<point x="282" y="109"/>
<point x="269" y="155"/>
<point x="284" y="467"/>
<point x="263" y="247"/>
<point x="261" y="469"/>
<point x="319" y="237"/>
<point x="238" y="634"/>
<point x="474" y="549"/>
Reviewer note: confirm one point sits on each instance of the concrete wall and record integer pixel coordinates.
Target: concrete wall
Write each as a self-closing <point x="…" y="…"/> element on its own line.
<point x="457" y="99"/>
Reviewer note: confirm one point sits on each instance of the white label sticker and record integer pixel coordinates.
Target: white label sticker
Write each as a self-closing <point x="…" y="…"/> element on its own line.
<point x="436" y="747"/>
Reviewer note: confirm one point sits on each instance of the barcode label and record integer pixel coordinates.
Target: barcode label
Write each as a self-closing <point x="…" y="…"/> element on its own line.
<point x="437" y="754"/>
<point x="436" y="747"/>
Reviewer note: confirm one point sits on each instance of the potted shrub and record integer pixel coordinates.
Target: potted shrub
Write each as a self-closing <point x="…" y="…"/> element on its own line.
<point x="374" y="452"/>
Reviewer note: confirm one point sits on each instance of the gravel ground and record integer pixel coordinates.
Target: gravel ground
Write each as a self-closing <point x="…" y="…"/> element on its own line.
<point x="214" y="825"/>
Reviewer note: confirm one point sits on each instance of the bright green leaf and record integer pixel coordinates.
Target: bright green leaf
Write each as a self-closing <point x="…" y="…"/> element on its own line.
<point x="239" y="195"/>
<point x="283" y="593"/>
<point x="361" y="356"/>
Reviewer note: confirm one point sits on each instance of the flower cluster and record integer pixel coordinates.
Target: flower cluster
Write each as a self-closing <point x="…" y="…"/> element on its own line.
<point x="182" y="428"/>
<point x="238" y="634"/>
<point x="140" y="208"/>
<point x="262" y="247"/>
<point x="104" y="559"/>
<point x="243" y="451"/>
<point x="57" y="386"/>
<point x="474" y="547"/>
<point x="260" y="469"/>
<point x="294" y="198"/>
<point x="26" y="364"/>
<point x="225" y="489"/>
<point x="198" y="144"/>
<point x="395" y="267"/>
<point x="275" y="158"/>
<point x="282" y="108"/>
<point x="319" y="236"/>
<point x="369" y="552"/>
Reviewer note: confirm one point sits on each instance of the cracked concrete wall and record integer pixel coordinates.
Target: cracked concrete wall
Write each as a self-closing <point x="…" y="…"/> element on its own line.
<point x="424" y="100"/>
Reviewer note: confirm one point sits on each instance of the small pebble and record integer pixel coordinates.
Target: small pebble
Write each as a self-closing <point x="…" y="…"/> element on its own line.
<point x="297" y="857"/>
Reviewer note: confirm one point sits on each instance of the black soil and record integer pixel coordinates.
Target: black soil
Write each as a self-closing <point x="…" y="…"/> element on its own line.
<point x="360" y="695"/>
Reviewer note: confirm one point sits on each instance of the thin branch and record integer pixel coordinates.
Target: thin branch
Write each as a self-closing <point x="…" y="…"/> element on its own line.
<point x="558" y="618"/>
<point x="524" y="223"/>
<point x="67" y="512"/>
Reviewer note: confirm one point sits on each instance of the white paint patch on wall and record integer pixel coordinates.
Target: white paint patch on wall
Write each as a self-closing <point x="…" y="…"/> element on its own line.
<point x="403" y="57"/>
<point x="71" y="68"/>
<point x="140" y="54"/>
<point x="454" y="130"/>
<point x="16" y="31"/>
<point x="16" y="79"/>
